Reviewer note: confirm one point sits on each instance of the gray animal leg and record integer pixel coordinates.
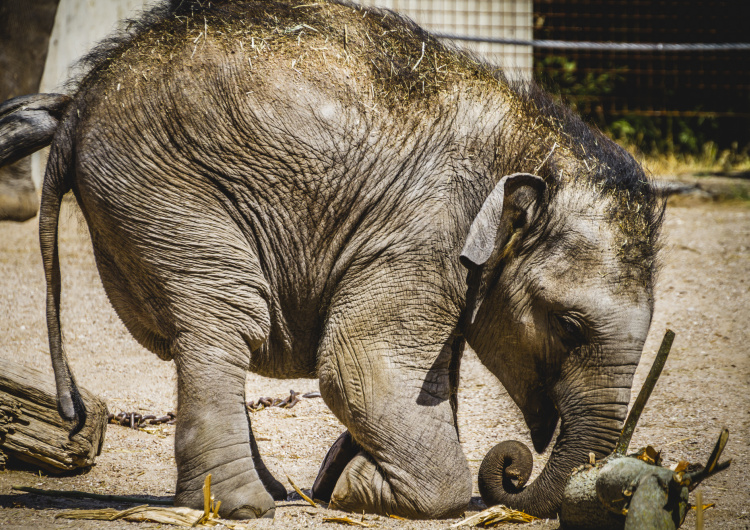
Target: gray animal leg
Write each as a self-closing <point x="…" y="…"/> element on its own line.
<point x="18" y="199"/>
<point x="213" y="435"/>
<point x="388" y="382"/>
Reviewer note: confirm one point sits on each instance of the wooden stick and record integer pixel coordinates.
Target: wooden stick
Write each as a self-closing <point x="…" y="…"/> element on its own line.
<point x="699" y="510"/>
<point x="645" y="393"/>
<point x="73" y="494"/>
<point x="718" y="449"/>
<point x="712" y="466"/>
<point x="299" y="492"/>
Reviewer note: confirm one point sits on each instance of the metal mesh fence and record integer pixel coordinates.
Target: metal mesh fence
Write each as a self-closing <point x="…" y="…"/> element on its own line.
<point x="688" y="82"/>
<point x="653" y="60"/>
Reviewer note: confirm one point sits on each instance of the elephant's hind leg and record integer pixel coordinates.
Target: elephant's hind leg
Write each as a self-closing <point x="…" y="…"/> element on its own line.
<point x="188" y="285"/>
<point x="213" y="434"/>
<point x="18" y="199"/>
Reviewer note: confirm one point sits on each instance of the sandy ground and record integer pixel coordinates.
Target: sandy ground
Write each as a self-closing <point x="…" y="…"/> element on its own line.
<point x="702" y="295"/>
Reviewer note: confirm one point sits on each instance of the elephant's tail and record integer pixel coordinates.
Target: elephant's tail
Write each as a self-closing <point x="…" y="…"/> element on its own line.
<point x="57" y="182"/>
<point x="28" y="123"/>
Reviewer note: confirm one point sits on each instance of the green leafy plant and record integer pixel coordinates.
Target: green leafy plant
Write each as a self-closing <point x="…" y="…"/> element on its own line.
<point x="694" y="139"/>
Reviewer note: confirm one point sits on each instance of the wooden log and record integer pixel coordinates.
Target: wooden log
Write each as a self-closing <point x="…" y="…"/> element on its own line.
<point x="624" y="493"/>
<point x="31" y="428"/>
<point x="631" y="492"/>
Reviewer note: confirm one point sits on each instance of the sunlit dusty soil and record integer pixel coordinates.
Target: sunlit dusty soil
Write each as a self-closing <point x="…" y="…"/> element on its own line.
<point x="702" y="295"/>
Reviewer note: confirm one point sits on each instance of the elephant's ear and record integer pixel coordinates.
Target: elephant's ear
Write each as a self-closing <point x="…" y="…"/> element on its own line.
<point x="511" y="207"/>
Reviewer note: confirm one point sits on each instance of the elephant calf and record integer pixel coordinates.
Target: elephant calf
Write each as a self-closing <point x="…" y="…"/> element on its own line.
<point x="325" y="190"/>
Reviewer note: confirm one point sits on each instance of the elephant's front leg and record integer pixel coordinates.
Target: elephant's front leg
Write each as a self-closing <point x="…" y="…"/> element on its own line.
<point x="387" y="381"/>
<point x="213" y="436"/>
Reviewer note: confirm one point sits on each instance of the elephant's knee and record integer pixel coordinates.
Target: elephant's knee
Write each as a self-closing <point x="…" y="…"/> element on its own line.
<point x="452" y="492"/>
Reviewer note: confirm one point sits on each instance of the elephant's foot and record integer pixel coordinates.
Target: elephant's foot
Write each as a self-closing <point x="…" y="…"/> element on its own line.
<point x="242" y="496"/>
<point x="18" y="198"/>
<point x="362" y="487"/>
<point x="339" y="455"/>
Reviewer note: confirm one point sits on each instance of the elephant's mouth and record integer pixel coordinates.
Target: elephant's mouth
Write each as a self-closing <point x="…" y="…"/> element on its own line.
<point x="542" y="431"/>
<point x="541" y="418"/>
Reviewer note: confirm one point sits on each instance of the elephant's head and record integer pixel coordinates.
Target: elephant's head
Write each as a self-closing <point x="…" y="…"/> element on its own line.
<point x="560" y="302"/>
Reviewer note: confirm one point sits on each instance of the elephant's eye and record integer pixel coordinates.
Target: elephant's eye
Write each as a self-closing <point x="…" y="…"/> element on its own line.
<point x="572" y="331"/>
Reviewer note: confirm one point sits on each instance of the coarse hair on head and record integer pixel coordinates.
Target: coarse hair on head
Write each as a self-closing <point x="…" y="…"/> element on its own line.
<point x="618" y="178"/>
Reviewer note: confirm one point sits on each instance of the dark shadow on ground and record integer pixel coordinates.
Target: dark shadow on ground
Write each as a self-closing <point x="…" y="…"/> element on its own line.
<point x="14" y="463"/>
<point x="476" y="505"/>
<point x="44" y="502"/>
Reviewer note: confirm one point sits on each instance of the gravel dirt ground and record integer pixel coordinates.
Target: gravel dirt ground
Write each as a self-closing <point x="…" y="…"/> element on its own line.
<point x="702" y="294"/>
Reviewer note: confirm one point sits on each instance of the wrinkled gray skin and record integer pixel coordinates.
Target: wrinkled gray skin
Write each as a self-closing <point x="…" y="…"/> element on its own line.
<point x="25" y="28"/>
<point x="575" y="340"/>
<point x="291" y="220"/>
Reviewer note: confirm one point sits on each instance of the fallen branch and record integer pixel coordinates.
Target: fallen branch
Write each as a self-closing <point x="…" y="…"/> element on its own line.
<point x="635" y="491"/>
<point x="495" y="515"/>
<point x="712" y="466"/>
<point x="179" y="516"/>
<point x="299" y="492"/>
<point x="31" y="429"/>
<point x="173" y="515"/>
<point x="345" y="520"/>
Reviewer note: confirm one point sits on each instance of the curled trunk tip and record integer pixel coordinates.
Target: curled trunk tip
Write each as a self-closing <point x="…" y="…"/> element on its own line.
<point x="506" y="467"/>
<point x="503" y="475"/>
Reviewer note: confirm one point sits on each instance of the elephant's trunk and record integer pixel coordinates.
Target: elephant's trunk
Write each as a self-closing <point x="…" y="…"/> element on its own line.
<point x="586" y="430"/>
